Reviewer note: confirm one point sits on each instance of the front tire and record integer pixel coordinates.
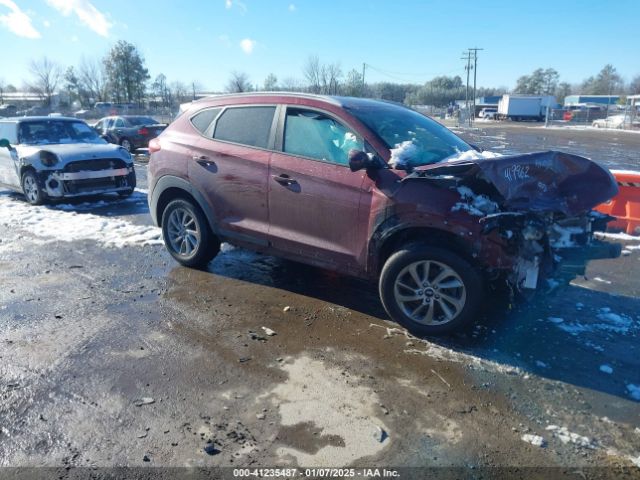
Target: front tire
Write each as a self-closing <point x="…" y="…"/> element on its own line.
<point x="430" y="290"/>
<point x="31" y="188"/>
<point x="126" y="144"/>
<point x="187" y="235"/>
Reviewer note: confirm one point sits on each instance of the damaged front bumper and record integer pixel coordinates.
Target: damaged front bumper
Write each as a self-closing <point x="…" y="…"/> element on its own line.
<point x="64" y="184"/>
<point x="548" y="249"/>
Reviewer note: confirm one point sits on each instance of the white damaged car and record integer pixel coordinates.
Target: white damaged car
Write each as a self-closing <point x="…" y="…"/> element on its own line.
<point x="52" y="158"/>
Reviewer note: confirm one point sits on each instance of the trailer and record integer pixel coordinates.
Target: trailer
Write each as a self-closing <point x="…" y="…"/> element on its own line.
<point x="524" y="107"/>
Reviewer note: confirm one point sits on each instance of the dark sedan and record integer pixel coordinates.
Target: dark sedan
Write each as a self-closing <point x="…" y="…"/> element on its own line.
<point x="130" y="131"/>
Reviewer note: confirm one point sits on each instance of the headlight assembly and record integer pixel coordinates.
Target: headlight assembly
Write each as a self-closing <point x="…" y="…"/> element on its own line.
<point x="48" y="159"/>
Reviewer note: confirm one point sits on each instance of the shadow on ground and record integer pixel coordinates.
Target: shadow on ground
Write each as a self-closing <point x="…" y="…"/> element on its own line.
<point x="575" y="335"/>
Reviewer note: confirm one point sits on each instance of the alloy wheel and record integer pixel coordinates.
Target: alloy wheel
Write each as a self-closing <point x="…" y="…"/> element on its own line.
<point x="430" y="292"/>
<point x="184" y="234"/>
<point x="30" y="188"/>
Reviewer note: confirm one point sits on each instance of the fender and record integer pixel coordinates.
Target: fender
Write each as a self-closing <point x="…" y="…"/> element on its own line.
<point x="170" y="181"/>
<point x="464" y="238"/>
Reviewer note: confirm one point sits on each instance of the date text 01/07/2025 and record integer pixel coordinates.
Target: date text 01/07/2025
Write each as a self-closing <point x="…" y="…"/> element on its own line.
<point x="315" y="472"/>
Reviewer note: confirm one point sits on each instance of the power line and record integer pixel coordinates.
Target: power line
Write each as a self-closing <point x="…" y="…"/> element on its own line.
<point x="394" y="75"/>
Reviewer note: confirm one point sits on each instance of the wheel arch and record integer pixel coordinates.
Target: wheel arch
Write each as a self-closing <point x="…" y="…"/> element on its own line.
<point x="169" y="188"/>
<point x="393" y="240"/>
<point x="25" y="167"/>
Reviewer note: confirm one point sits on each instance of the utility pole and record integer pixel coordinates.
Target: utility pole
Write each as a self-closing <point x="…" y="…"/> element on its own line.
<point x="467" y="57"/>
<point x="364" y="66"/>
<point x="475" y="71"/>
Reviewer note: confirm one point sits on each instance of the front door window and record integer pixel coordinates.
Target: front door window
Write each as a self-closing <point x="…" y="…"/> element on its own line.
<point x="318" y="136"/>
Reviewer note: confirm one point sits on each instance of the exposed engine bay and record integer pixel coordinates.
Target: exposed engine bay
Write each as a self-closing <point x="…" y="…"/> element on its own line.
<point x="539" y="205"/>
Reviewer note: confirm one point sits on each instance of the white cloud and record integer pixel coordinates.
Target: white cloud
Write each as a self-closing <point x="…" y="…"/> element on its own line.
<point x="247" y="45"/>
<point x="292" y="7"/>
<point x="86" y="13"/>
<point x="229" y="4"/>
<point x="17" y="21"/>
<point x="46" y="23"/>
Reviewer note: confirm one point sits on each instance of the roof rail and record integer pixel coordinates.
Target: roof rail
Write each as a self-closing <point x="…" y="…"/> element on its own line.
<point x="326" y="98"/>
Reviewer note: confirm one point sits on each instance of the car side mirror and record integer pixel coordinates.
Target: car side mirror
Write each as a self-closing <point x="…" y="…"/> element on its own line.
<point x="4" y="143"/>
<point x="359" y="160"/>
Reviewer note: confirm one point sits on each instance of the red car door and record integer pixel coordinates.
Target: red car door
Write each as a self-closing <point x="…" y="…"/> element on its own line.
<point x="314" y="199"/>
<point x="230" y="166"/>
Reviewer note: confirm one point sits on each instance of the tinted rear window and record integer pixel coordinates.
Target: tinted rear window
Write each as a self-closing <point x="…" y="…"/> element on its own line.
<point x="135" y="121"/>
<point x="203" y="119"/>
<point x="246" y="125"/>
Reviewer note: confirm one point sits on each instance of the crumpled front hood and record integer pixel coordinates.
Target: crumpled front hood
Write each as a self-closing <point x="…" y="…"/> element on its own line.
<point x="542" y="181"/>
<point x="67" y="152"/>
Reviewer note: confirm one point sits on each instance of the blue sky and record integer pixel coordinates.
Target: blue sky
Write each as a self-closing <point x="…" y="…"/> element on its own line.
<point x="402" y="40"/>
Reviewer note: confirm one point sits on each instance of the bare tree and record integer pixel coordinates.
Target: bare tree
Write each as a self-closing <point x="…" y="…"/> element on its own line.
<point x="312" y="72"/>
<point x="353" y="86"/>
<point x="634" y="85"/>
<point x="160" y="91"/>
<point x="180" y="92"/>
<point x="3" y="88"/>
<point x="291" y="84"/>
<point x="46" y="74"/>
<point x="330" y="76"/>
<point x="238" y="82"/>
<point x="93" y="78"/>
<point x="271" y="83"/>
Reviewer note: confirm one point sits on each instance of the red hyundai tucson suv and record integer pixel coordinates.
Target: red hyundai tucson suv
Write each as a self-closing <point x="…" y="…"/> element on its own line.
<point x="375" y="190"/>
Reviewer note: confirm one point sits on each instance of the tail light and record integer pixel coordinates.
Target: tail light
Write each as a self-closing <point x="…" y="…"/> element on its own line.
<point x="143" y="131"/>
<point x="154" y="145"/>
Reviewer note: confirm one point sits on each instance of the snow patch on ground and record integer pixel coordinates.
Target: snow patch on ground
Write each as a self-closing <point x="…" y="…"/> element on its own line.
<point x="60" y="224"/>
<point x="607" y="322"/>
<point x="634" y="391"/>
<point x="606" y="369"/>
<point x="565" y="436"/>
<point x="536" y="440"/>
<point x="433" y="350"/>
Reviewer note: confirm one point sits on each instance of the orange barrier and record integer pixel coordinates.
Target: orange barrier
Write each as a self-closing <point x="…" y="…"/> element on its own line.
<point x="626" y="205"/>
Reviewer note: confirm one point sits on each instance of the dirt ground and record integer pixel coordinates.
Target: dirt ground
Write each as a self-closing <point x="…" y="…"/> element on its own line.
<point x="112" y="355"/>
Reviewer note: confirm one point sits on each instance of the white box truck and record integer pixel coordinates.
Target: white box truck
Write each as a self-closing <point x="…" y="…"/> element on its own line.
<point x="524" y="107"/>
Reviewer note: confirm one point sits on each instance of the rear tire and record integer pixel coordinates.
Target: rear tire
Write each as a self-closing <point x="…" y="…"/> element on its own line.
<point x="430" y="290"/>
<point x="31" y="188"/>
<point x="187" y="234"/>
